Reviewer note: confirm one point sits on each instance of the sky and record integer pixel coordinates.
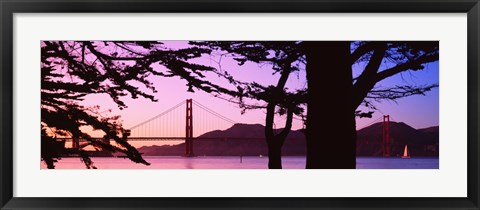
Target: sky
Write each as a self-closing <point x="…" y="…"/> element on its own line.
<point x="418" y="111"/>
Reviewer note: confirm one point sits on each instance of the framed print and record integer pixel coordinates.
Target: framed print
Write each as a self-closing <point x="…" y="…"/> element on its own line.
<point x="239" y="105"/>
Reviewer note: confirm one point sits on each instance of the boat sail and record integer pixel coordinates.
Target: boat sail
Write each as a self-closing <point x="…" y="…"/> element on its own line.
<point x="405" y="152"/>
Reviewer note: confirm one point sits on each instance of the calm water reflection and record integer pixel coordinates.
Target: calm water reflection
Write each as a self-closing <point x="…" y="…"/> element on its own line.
<point x="230" y="162"/>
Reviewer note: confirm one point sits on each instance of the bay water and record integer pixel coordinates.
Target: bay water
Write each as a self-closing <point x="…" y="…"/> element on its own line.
<point x="236" y="162"/>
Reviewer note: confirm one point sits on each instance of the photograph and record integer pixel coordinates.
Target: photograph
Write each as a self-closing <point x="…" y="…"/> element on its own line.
<point x="207" y="104"/>
<point x="252" y="105"/>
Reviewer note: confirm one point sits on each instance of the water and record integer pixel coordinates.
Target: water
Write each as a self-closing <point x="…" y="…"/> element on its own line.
<point x="235" y="162"/>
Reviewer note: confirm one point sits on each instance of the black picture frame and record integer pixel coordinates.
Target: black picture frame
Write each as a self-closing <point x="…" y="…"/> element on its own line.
<point x="10" y="7"/>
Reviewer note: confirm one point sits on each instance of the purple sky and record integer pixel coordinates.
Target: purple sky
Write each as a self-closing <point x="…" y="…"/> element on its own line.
<point x="417" y="111"/>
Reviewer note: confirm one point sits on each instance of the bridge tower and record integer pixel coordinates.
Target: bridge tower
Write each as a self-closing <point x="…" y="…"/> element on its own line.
<point x="386" y="135"/>
<point x="189" y="129"/>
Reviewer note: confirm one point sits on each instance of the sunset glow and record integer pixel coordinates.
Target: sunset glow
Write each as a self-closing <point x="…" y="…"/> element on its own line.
<point x="107" y="96"/>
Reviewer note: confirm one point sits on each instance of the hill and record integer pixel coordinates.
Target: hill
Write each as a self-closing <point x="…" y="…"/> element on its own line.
<point x="421" y="142"/>
<point x="248" y="140"/>
<point x="240" y="139"/>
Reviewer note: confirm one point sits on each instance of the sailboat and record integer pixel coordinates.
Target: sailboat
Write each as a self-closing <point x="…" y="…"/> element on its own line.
<point x="405" y="152"/>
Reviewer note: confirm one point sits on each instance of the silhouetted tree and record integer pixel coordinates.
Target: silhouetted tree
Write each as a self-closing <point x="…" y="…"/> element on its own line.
<point x="333" y="98"/>
<point x="72" y="70"/>
<point x="329" y="100"/>
<point x="333" y="95"/>
<point x="284" y="57"/>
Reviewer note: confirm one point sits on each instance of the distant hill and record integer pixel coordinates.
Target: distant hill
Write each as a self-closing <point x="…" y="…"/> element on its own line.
<point x="433" y="129"/>
<point x="249" y="131"/>
<point x="433" y="132"/>
<point x="252" y="143"/>
<point x="421" y="142"/>
<point x="249" y="140"/>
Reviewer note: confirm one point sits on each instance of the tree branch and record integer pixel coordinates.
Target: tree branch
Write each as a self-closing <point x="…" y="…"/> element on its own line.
<point x="361" y="51"/>
<point x="412" y="65"/>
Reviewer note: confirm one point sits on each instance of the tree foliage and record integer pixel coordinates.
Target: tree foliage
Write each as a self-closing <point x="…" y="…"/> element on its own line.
<point x="71" y="70"/>
<point x="382" y="60"/>
<point x="284" y="58"/>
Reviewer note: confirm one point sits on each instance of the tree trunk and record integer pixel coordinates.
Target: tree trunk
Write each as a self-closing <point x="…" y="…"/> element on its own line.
<point x="274" y="154"/>
<point x="330" y="133"/>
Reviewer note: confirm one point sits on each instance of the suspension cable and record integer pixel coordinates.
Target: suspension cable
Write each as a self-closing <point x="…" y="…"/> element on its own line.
<point x="214" y="113"/>
<point x="157" y="116"/>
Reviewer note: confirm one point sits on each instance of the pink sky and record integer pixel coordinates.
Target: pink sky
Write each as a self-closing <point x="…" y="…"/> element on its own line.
<point x="417" y="111"/>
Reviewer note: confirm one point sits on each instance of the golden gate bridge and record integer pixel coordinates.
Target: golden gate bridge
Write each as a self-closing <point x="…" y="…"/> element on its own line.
<point x="165" y="127"/>
<point x="168" y="126"/>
